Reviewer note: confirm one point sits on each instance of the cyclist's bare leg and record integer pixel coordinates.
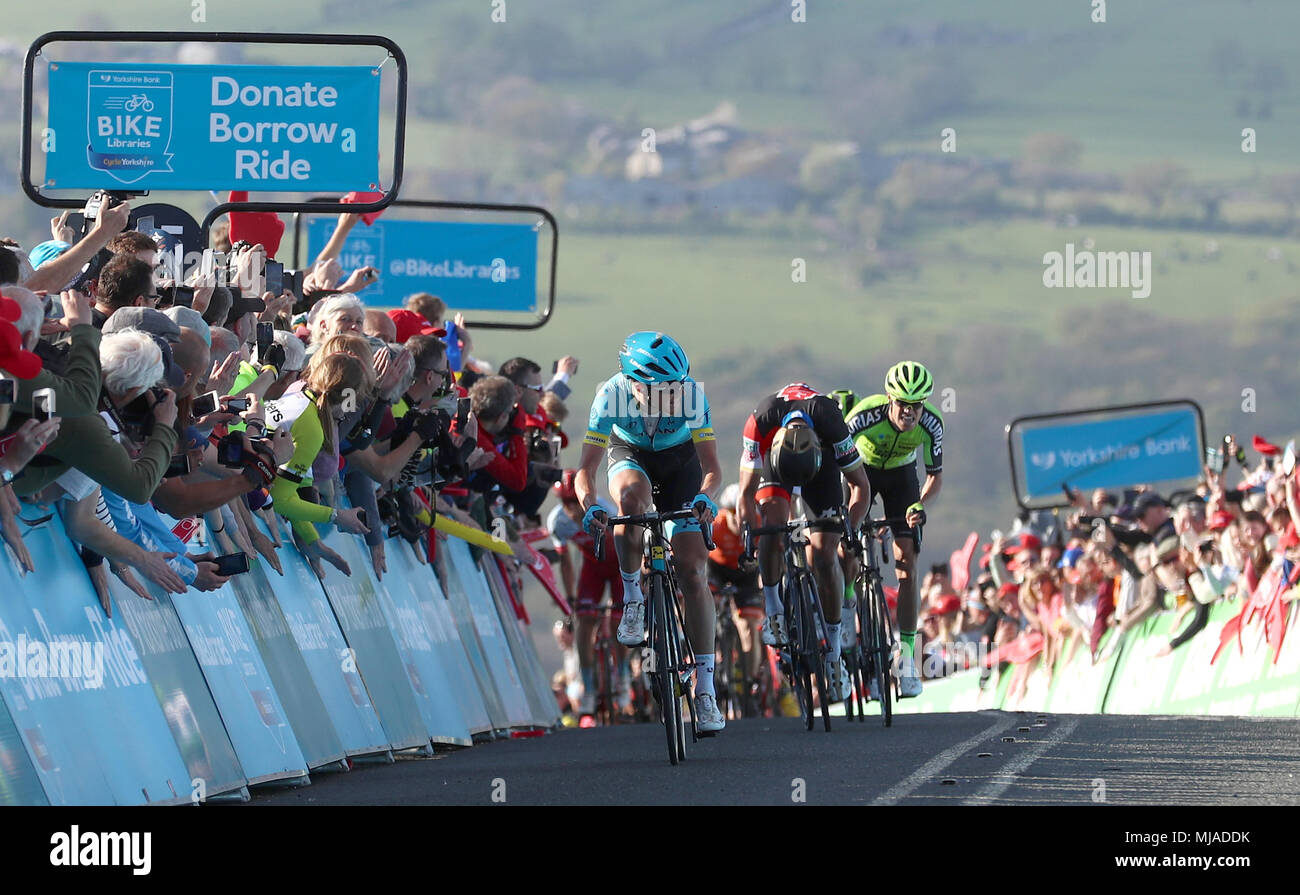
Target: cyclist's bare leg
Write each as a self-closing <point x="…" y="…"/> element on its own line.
<point x="904" y="567"/>
<point x="826" y="569"/>
<point x="586" y="640"/>
<point x="771" y="548"/>
<point x="749" y="645"/>
<point x="630" y="490"/>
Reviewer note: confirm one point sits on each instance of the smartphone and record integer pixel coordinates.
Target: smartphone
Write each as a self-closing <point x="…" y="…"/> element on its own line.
<point x="8" y="390"/>
<point x="462" y="413"/>
<point x="236" y="405"/>
<point x="145" y="225"/>
<point x="43" y="405"/>
<point x="182" y="296"/>
<point x="1069" y="494"/>
<point x="361" y="516"/>
<point x="291" y="281"/>
<point x="231" y="564"/>
<point x="555" y="367"/>
<point x="274" y="278"/>
<point x="179" y="466"/>
<point x="1214" y="460"/>
<point x="205" y="404"/>
<point x="265" y="337"/>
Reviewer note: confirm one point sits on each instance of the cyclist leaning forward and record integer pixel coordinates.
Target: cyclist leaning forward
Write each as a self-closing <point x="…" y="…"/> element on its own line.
<point x="654" y="421"/>
<point x="889" y="430"/>
<point x="796" y="438"/>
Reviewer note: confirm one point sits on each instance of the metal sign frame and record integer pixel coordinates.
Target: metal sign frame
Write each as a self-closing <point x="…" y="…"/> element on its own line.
<point x="322" y="205"/>
<point x="363" y="40"/>
<point x="1119" y="408"/>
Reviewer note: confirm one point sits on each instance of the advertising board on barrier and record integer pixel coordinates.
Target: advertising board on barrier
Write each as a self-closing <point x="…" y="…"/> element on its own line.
<point x="202" y="127"/>
<point x="302" y="703"/>
<point x="327" y="656"/>
<point x="440" y="708"/>
<point x="249" y="705"/>
<point x="372" y="647"/>
<point x="182" y="691"/>
<point x="1106" y="449"/>
<point x="436" y="609"/>
<point x="471" y="266"/>
<point x="70" y="676"/>
<point x="500" y="663"/>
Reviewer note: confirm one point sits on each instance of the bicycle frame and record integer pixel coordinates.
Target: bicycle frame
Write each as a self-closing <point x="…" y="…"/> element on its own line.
<point x="806" y="621"/>
<point x="671" y="670"/>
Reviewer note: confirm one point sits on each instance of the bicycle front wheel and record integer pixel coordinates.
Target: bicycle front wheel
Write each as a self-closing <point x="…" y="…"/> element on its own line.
<point x="816" y="652"/>
<point x="880" y="650"/>
<point x="798" y="624"/>
<point x="665" y="668"/>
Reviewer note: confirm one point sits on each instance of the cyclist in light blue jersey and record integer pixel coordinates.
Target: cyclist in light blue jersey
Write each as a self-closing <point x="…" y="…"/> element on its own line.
<point x="653" y="422"/>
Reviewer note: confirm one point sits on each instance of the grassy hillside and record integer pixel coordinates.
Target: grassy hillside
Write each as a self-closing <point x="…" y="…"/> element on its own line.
<point x="1161" y="80"/>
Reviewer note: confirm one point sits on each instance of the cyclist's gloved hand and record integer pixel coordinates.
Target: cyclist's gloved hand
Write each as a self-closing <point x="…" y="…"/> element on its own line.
<point x="590" y="516"/>
<point x="709" y="505"/>
<point x="918" y="510"/>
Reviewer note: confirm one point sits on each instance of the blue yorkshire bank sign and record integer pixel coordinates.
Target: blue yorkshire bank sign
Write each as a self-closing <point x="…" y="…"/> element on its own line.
<point x="1154" y="446"/>
<point x="470" y="266"/>
<point x="209" y="127"/>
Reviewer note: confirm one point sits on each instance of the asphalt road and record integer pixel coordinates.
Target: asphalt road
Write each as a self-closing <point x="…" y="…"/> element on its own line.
<point x="938" y="759"/>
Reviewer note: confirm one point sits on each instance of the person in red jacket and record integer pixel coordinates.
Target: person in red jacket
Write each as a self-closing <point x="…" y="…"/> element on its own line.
<point x="500" y="435"/>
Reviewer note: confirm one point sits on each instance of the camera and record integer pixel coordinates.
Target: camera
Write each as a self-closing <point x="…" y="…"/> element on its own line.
<point x="231" y="453"/>
<point x="99" y="201"/>
<point x="175" y="296"/>
<point x="89" y="275"/>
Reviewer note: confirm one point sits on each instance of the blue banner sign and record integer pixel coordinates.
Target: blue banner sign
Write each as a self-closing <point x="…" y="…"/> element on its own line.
<point x="1162" y="443"/>
<point x="470" y="266"/>
<point x="207" y="127"/>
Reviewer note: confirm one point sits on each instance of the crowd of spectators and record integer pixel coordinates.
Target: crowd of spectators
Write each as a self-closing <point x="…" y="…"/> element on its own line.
<point x="1060" y="579"/>
<point x="326" y="414"/>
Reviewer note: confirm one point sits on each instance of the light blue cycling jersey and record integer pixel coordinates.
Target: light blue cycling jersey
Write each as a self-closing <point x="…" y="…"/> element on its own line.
<point x="677" y="412"/>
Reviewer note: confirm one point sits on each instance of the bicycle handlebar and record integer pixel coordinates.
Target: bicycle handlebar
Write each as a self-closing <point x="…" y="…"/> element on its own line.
<point x="653" y="519"/>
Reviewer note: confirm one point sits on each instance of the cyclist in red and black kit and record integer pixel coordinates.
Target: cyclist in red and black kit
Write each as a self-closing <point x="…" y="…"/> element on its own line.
<point x="797" y="439"/>
<point x="594" y="576"/>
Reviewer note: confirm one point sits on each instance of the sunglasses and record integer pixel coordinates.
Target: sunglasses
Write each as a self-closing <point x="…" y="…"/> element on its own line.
<point x="910" y="405"/>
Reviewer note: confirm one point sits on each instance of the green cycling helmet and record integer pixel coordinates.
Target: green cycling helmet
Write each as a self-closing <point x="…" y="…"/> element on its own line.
<point x="909" y="381"/>
<point x="845" y="398"/>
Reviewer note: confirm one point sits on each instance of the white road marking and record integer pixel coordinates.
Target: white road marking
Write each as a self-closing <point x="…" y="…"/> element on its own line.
<point x="940" y="762"/>
<point x="1007" y="776"/>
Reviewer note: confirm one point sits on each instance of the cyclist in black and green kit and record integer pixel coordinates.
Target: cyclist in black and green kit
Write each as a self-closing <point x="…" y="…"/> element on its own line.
<point x="890" y="431"/>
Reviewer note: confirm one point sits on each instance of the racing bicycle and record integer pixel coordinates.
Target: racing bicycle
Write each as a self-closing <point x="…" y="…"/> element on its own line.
<point x="666" y="656"/>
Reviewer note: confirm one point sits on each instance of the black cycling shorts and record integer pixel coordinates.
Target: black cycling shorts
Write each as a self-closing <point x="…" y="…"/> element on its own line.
<point x="897" y="489"/>
<point x="675" y="476"/>
<point x="823" y="494"/>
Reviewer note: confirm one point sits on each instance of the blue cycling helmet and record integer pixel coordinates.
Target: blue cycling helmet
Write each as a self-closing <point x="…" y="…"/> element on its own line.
<point x="653" y="357"/>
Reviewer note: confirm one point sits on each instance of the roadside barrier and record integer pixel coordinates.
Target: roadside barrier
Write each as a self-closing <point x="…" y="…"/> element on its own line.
<point x="1253" y="675"/>
<point x="268" y="680"/>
